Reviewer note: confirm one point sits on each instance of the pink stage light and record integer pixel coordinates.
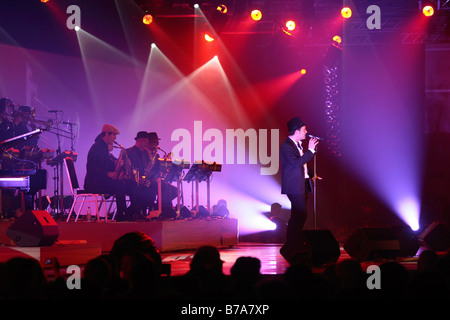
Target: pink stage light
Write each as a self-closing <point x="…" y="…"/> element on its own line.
<point x="256" y="15"/>
<point x="428" y="11"/>
<point x="346" y="12"/>
<point x="290" y="25"/>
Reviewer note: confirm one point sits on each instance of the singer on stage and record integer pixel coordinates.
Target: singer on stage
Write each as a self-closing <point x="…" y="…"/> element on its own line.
<point x="294" y="174"/>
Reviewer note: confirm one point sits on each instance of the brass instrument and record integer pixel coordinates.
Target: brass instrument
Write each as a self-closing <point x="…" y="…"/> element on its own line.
<point x="30" y="117"/>
<point x="144" y="178"/>
<point x="47" y="124"/>
<point x="124" y="169"/>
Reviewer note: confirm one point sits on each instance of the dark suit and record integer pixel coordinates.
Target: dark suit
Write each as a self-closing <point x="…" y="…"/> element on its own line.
<point x="293" y="184"/>
<point x="99" y="163"/>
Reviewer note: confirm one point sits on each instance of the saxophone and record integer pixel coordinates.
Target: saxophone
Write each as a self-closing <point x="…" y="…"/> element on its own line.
<point x="125" y="171"/>
<point x="144" y="179"/>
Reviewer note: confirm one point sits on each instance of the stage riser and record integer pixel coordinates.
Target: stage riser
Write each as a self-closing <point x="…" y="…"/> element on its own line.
<point x="67" y="253"/>
<point x="168" y="235"/>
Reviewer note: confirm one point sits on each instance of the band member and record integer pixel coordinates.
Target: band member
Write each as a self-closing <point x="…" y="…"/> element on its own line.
<point x="168" y="191"/>
<point x="6" y="107"/>
<point x="139" y="156"/>
<point x="294" y="183"/>
<point x="21" y="124"/>
<point x="102" y="171"/>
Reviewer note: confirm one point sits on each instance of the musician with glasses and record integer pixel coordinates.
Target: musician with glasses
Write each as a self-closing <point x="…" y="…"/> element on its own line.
<point x="102" y="174"/>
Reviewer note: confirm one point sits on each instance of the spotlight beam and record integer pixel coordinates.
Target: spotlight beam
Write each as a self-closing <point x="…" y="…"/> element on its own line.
<point x="95" y="51"/>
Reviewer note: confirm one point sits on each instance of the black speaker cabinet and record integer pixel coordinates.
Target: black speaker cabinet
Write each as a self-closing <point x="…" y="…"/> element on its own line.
<point x="436" y="237"/>
<point x="323" y="246"/>
<point x="389" y="243"/>
<point x="34" y="229"/>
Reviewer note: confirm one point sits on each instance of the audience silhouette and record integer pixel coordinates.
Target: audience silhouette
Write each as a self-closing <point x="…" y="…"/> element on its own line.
<point x="133" y="270"/>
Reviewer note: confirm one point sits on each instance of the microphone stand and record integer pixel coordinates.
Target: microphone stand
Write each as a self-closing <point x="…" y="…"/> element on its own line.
<point x="59" y="191"/>
<point x="315" y="192"/>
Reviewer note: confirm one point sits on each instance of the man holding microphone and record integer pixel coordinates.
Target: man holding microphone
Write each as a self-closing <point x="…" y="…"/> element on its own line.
<point x="295" y="183"/>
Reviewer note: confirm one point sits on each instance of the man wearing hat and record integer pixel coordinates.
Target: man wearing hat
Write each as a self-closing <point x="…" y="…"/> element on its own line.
<point x="140" y="158"/>
<point x="101" y="176"/>
<point x="294" y="181"/>
<point x="168" y="191"/>
<point x="138" y="153"/>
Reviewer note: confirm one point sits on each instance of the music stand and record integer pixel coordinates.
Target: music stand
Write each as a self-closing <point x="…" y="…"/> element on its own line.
<point x="59" y="168"/>
<point x="175" y="173"/>
<point x="191" y="177"/>
<point x="202" y="171"/>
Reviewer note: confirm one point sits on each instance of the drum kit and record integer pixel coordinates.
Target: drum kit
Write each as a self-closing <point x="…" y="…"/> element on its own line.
<point x="21" y="157"/>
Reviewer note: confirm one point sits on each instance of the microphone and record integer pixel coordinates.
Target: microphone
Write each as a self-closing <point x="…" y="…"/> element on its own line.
<point x="313" y="137"/>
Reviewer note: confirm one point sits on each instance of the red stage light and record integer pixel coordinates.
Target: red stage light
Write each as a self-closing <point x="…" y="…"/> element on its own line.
<point x="346" y="12"/>
<point x="209" y="38"/>
<point x="256" y="15"/>
<point x="428" y="11"/>
<point x="44" y="1"/>
<point x="222" y="8"/>
<point x="147" y="19"/>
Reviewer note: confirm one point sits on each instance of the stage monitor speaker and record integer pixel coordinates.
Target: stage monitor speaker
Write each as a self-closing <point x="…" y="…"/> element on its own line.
<point x="436" y="237"/>
<point x="408" y="241"/>
<point x="185" y="212"/>
<point x="323" y="246"/>
<point x="372" y="243"/>
<point x="388" y="242"/>
<point x="202" y="212"/>
<point x="34" y="229"/>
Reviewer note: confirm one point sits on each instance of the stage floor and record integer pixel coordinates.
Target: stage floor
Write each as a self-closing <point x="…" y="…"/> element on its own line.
<point x="176" y="240"/>
<point x="272" y="263"/>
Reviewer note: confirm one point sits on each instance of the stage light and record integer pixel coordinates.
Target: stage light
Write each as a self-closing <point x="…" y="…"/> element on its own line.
<point x="196" y="6"/>
<point x="77" y="28"/>
<point x="428" y="11"/>
<point x="153" y="45"/>
<point x="337" y="39"/>
<point x="209" y="38"/>
<point x="147" y="19"/>
<point x="222" y="8"/>
<point x="290" y="25"/>
<point x="408" y="209"/>
<point x="256" y="15"/>
<point x="346" y="12"/>
<point x="303" y="71"/>
<point x="45" y="1"/>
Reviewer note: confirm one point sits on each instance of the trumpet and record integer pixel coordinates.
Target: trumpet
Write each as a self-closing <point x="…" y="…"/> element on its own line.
<point x="47" y="124"/>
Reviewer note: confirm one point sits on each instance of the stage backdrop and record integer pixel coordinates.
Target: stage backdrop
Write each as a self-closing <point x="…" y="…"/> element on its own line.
<point x="197" y="117"/>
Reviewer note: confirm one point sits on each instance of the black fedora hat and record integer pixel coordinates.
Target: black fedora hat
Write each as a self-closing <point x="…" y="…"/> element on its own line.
<point x="141" y="134"/>
<point x="294" y="124"/>
<point x="152" y="136"/>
